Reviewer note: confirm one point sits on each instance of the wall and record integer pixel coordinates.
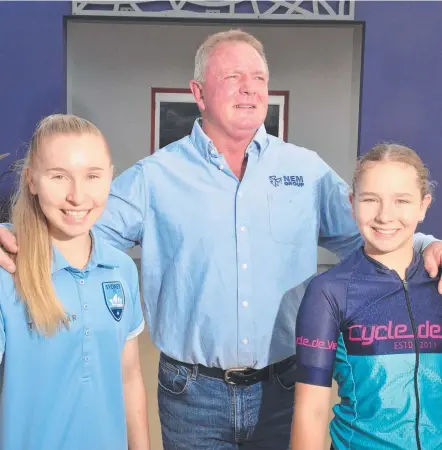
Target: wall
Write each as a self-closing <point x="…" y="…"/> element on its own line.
<point x="32" y="67"/>
<point x="402" y="94"/>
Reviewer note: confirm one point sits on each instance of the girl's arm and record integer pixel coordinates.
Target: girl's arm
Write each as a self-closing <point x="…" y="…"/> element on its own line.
<point x="134" y="398"/>
<point x="310" y="420"/>
<point x="317" y="333"/>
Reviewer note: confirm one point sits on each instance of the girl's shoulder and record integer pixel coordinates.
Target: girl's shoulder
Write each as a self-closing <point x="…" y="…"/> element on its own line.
<point x="7" y="288"/>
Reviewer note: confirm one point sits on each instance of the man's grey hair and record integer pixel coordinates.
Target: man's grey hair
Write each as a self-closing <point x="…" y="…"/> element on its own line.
<point x="206" y="48"/>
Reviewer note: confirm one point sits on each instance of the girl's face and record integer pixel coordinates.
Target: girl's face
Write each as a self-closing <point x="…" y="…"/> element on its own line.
<point x="388" y="206"/>
<point x="71" y="176"/>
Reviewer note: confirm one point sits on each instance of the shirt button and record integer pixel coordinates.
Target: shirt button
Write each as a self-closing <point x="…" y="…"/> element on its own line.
<point x="86" y="358"/>
<point x="239" y="194"/>
<point x="244" y="266"/>
<point x="85" y="306"/>
<point x="221" y="167"/>
<point x="81" y="281"/>
<point x="245" y="304"/>
<point x="242" y="228"/>
<point x="245" y="341"/>
<point x="87" y="332"/>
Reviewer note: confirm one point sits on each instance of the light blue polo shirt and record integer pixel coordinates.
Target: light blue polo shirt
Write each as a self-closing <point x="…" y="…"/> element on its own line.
<point x="66" y="392"/>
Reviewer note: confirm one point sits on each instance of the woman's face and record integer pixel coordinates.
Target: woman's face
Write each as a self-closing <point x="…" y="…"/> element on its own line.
<point x="388" y="206"/>
<point x="71" y="176"/>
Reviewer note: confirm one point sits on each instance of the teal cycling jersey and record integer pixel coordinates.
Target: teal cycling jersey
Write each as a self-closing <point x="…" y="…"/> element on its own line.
<point x="380" y="338"/>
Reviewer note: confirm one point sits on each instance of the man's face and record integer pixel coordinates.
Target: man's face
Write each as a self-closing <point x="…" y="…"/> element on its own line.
<point x="234" y="95"/>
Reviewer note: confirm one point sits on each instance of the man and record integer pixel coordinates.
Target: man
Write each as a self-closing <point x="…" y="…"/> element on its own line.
<point x="228" y="220"/>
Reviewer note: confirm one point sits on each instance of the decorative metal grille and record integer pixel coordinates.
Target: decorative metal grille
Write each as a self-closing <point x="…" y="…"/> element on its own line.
<point x="254" y="9"/>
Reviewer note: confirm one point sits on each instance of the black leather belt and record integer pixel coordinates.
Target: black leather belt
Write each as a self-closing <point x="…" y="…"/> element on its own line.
<point x="241" y="376"/>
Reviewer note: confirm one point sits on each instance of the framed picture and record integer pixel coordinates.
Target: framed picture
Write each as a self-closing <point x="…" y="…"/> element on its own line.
<point x="174" y="111"/>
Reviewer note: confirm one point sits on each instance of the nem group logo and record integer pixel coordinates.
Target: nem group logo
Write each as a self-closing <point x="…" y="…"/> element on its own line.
<point x="287" y="180"/>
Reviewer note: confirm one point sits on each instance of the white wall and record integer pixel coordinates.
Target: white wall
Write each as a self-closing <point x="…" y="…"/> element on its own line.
<point x="113" y="65"/>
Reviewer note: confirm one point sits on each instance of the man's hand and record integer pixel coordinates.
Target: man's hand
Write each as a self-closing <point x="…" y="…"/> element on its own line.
<point x="432" y="260"/>
<point x="8" y="243"/>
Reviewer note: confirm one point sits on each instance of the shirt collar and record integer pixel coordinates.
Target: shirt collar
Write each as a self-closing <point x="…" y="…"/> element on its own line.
<point x="411" y="269"/>
<point x="97" y="259"/>
<point x="205" y="145"/>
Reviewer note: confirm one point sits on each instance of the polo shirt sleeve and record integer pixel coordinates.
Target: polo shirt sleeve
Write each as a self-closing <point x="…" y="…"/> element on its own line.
<point x="122" y="222"/>
<point x="317" y="333"/>
<point x="137" y="324"/>
<point x="2" y="336"/>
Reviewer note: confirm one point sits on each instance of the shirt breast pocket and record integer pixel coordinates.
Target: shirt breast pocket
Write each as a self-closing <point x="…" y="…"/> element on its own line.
<point x="287" y="216"/>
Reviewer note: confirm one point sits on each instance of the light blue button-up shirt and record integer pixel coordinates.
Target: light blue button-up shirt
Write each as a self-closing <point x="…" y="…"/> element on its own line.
<point x="66" y="392"/>
<point x="225" y="262"/>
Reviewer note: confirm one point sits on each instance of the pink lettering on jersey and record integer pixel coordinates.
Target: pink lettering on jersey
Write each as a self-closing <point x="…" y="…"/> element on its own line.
<point x="316" y="343"/>
<point x="367" y="334"/>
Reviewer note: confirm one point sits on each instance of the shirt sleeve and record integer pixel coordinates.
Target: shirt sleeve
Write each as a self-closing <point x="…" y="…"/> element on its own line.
<point x="122" y="223"/>
<point x="137" y="325"/>
<point x="2" y="336"/>
<point x="317" y="332"/>
<point x="421" y="241"/>
<point x="338" y="231"/>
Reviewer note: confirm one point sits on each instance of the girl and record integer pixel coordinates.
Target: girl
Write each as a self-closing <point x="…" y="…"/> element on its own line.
<point x="69" y="321"/>
<point x="374" y="323"/>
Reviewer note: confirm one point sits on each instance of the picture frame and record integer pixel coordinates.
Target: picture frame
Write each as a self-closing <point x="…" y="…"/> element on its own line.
<point x="173" y="113"/>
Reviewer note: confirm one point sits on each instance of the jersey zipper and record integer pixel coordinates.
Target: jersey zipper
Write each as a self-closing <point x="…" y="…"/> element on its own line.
<point x="416" y="366"/>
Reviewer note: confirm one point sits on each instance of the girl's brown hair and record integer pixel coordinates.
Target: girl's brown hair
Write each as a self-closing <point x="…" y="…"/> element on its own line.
<point x="395" y="153"/>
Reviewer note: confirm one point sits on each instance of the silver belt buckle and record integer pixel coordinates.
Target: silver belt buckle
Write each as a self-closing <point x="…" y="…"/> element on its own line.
<point x="229" y="371"/>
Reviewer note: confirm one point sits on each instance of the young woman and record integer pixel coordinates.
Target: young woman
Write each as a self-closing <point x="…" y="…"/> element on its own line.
<point x="374" y="323"/>
<point x="69" y="320"/>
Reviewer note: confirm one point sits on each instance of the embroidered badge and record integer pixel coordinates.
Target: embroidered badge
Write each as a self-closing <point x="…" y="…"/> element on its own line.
<point x="286" y="180"/>
<point x="275" y="180"/>
<point x="114" y="297"/>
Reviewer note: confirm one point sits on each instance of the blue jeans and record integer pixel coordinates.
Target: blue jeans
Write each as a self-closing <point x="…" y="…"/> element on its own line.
<point x="202" y="413"/>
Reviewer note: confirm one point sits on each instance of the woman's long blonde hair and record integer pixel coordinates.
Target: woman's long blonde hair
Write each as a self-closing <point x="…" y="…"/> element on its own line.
<point x="33" y="276"/>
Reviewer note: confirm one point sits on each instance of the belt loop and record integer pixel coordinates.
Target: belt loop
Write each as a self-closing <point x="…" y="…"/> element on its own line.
<point x="194" y="372"/>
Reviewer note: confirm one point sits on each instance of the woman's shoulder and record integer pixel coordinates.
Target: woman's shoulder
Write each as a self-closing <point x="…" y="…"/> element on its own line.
<point x="341" y="273"/>
<point x="7" y="287"/>
<point x="114" y="256"/>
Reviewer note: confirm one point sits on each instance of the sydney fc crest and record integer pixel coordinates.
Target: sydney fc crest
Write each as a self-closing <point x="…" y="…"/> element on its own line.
<point x="114" y="297"/>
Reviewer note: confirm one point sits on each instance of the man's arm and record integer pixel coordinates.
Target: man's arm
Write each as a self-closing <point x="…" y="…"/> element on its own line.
<point x="122" y="222"/>
<point x="422" y="241"/>
<point x="338" y="231"/>
<point x="134" y="398"/>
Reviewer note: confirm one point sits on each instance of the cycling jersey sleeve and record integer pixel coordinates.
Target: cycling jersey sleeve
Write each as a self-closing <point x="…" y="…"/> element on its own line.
<point x="317" y="332"/>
